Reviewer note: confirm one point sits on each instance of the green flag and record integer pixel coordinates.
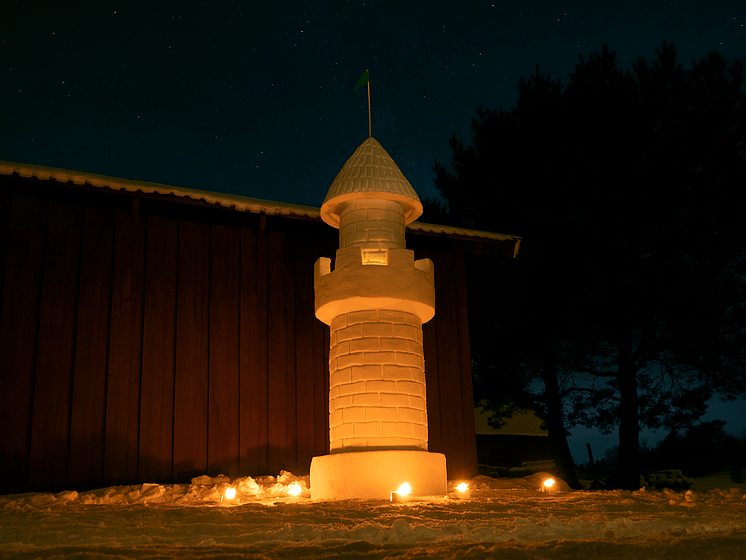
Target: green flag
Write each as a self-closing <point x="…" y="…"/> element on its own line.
<point x="364" y="79"/>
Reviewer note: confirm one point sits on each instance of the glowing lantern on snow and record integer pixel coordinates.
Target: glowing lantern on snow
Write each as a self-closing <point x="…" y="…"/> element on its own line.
<point x="229" y="494"/>
<point x="402" y="494"/>
<point x="548" y="486"/>
<point x="294" y="489"/>
<point x="461" y="491"/>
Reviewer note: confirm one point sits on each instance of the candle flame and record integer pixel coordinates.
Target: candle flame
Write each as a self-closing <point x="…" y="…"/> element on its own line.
<point x="549" y="482"/>
<point x="404" y="489"/>
<point x="230" y="493"/>
<point x="463" y="487"/>
<point x="294" y="489"/>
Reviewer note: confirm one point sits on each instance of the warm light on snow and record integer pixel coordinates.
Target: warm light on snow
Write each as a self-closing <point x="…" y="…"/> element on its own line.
<point x="294" y="489"/>
<point x="404" y="489"/>
<point x="549" y="483"/>
<point x="463" y="487"/>
<point x="503" y="517"/>
<point x="230" y="493"/>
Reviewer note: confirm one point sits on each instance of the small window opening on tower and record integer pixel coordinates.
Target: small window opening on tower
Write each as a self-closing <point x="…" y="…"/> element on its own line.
<point x="378" y="257"/>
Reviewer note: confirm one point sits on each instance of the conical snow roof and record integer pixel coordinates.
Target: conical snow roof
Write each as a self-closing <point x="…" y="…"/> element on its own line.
<point x="370" y="173"/>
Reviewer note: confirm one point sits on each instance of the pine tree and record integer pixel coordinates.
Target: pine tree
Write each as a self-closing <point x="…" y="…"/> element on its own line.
<point x="625" y="187"/>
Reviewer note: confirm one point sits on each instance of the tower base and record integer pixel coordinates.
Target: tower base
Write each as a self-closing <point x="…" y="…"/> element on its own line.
<point x="375" y="474"/>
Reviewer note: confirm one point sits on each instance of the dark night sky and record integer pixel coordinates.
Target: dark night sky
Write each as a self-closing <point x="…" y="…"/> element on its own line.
<point x="257" y="97"/>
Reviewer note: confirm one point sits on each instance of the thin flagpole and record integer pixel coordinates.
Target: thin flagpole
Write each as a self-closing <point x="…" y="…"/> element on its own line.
<point x="370" y="134"/>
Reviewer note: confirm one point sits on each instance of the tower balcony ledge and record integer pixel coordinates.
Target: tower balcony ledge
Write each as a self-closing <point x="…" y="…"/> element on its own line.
<point x="402" y="284"/>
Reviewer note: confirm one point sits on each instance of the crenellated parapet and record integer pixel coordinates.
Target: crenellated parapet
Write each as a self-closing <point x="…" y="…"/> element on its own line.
<point x="393" y="281"/>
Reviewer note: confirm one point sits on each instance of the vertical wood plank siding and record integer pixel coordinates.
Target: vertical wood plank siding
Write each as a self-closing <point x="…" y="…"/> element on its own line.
<point x="90" y="373"/>
<point x="450" y="408"/>
<point x="19" y="332"/>
<point x="55" y="355"/>
<point x="122" y="438"/>
<point x="192" y="359"/>
<point x="223" y="379"/>
<point x="158" y="351"/>
<point x="143" y="348"/>
<point x="254" y="360"/>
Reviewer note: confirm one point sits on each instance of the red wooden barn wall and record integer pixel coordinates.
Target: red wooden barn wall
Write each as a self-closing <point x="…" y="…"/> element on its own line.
<point x="144" y="346"/>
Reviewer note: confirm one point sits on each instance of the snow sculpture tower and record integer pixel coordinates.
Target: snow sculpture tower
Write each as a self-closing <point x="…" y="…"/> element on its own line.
<point x="375" y="302"/>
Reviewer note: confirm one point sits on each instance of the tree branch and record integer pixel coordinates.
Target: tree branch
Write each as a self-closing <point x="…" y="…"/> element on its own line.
<point x="590" y="391"/>
<point x="583" y="369"/>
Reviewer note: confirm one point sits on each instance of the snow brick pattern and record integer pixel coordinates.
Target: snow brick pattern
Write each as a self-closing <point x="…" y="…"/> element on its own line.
<point x="372" y="224"/>
<point x="377" y="385"/>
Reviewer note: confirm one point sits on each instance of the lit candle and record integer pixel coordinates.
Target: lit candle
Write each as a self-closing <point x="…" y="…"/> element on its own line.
<point x="548" y="485"/>
<point x="461" y="491"/>
<point x="294" y="489"/>
<point x="402" y="494"/>
<point x="229" y="494"/>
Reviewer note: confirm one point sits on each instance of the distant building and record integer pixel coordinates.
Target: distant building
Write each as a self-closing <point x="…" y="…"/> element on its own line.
<point x="522" y="439"/>
<point x="151" y="333"/>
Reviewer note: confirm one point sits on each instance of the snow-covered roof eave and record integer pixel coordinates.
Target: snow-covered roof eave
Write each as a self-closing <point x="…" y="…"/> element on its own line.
<point x="450" y="230"/>
<point x="240" y="203"/>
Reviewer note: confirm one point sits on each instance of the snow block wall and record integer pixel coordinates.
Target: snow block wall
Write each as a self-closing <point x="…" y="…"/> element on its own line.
<point x="377" y="382"/>
<point x="373" y="224"/>
<point x="376" y="362"/>
<point x="375" y="302"/>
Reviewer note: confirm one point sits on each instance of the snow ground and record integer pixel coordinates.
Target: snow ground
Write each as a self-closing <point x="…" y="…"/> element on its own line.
<point x="502" y="518"/>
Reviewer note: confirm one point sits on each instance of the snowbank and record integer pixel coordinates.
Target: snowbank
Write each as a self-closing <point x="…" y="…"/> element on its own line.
<point x="198" y="520"/>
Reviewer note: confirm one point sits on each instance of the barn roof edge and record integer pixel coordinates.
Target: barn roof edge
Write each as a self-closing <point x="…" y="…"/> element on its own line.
<point x="240" y="203"/>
